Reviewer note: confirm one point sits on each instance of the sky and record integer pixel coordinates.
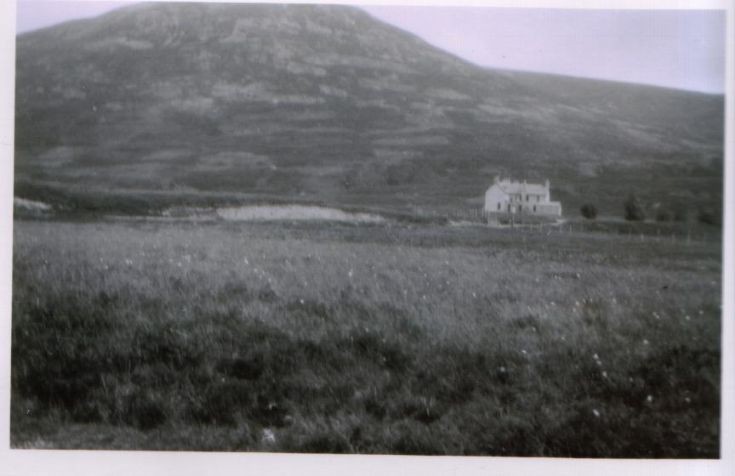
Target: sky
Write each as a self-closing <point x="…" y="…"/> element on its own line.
<point x="683" y="49"/>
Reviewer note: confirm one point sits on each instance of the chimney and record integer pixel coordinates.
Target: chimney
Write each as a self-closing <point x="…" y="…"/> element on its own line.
<point x="547" y="184"/>
<point x="497" y="179"/>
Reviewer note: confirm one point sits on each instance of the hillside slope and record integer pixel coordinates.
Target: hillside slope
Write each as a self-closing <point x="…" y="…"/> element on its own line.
<point x="325" y="103"/>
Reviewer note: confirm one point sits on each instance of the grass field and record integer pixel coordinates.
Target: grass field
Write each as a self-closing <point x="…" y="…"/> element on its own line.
<point x="373" y="338"/>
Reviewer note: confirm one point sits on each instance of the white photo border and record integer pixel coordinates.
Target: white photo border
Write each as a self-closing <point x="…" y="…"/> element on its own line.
<point x="78" y="462"/>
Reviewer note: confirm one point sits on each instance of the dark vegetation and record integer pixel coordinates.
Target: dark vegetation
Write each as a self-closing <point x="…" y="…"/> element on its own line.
<point x="633" y="208"/>
<point x="710" y="216"/>
<point x="664" y="214"/>
<point x="588" y="211"/>
<point x="370" y="339"/>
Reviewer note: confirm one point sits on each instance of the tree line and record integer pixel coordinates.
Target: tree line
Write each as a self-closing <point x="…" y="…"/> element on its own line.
<point x="634" y="210"/>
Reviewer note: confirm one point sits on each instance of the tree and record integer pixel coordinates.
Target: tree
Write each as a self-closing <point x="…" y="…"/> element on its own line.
<point x="664" y="214"/>
<point x="680" y="211"/>
<point x="588" y="211"/>
<point x="709" y="216"/>
<point x="633" y="208"/>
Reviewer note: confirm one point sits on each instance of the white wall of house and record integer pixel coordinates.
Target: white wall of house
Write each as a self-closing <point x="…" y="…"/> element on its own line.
<point x="548" y="208"/>
<point x="495" y="200"/>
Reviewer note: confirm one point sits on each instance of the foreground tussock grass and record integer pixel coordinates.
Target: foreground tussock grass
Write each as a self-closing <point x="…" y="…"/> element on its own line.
<point x="171" y="336"/>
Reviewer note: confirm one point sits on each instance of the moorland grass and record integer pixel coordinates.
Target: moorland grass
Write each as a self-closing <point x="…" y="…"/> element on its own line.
<point x="367" y="339"/>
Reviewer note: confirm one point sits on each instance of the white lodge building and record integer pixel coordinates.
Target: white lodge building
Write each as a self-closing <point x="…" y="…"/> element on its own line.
<point x="507" y="196"/>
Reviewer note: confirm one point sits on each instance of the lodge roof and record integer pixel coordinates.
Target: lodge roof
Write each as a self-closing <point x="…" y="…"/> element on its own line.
<point x="513" y="187"/>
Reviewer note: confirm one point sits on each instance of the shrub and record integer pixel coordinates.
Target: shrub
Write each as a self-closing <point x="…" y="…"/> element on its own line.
<point x="633" y="209"/>
<point x="223" y="403"/>
<point x="588" y="211"/>
<point x="681" y="212"/>
<point x="664" y="214"/>
<point x="145" y="410"/>
<point x="709" y="216"/>
<point x="413" y="438"/>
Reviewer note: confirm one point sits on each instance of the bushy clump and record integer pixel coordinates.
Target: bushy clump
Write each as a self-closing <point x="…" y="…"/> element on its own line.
<point x="247" y="368"/>
<point x="663" y="214"/>
<point x="588" y="211"/>
<point x="633" y="208"/>
<point x="52" y="360"/>
<point x="709" y="216"/>
<point x="412" y="438"/>
<point x="680" y="212"/>
<point x="379" y="349"/>
<point x="166" y="342"/>
<point x="145" y="409"/>
<point x="224" y="402"/>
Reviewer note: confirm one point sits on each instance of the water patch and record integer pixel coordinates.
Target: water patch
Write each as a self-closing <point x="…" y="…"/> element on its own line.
<point x="465" y="223"/>
<point x="30" y="205"/>
<point x="295" y="213"/>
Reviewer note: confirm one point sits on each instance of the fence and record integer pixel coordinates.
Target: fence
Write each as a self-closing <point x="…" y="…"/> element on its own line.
<point x="685" y="232"/>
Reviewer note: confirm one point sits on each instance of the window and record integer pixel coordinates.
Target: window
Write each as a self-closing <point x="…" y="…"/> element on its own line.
<point x="534" y="208"/>
<point x="498" y="205"/>
<point x="527" y="197"/>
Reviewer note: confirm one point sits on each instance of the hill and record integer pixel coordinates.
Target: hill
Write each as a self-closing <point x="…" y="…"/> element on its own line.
<point x="326" y="104"/>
